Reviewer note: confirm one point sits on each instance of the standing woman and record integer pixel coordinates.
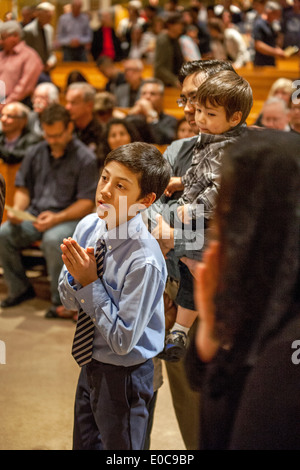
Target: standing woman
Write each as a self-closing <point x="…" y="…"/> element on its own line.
<point x="246" y="352"/>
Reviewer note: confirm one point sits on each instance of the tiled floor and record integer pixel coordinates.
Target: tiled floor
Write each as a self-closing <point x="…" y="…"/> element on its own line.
<point x="38" y="383"/>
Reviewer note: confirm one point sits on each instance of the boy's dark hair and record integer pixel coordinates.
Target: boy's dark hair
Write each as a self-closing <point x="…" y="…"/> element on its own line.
<point x="229" y="90"/>
<point x="208" y="67"/>
<point x="146" y="161"/>
<point x="55" y="113"/>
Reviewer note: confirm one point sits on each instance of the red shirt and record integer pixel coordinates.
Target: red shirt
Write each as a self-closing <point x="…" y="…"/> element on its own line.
<point x="108" y="45"/>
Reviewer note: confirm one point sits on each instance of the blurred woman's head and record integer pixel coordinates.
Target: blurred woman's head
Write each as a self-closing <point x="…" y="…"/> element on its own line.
<point x="282" y="88"/>
<point x="257" y="221"/>
<point x="120" y="132"/>
<point x="183" y="129"/>
<point x="117" y="132"/>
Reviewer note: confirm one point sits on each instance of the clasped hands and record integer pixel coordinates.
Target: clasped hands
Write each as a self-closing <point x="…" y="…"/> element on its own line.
<point x="80" y="262"/>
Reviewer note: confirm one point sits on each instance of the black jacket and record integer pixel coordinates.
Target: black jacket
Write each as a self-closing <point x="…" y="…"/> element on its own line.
<point x="97" y="45"/>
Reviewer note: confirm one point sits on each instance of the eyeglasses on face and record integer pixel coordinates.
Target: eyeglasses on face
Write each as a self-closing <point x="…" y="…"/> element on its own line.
<point x="182" y="102"/>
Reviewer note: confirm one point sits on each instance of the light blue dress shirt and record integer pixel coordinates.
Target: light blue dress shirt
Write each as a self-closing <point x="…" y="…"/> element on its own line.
<point x="127" y="304"/>
<point x="70" y="27"/>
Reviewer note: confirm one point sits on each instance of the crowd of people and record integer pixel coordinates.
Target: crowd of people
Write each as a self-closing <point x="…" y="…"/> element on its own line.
<point x="197" y="284"/>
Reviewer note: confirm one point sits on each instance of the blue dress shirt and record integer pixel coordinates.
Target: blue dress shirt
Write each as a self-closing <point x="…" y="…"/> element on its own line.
<point x="70" y="27"/>
<point x="126" y="305"/>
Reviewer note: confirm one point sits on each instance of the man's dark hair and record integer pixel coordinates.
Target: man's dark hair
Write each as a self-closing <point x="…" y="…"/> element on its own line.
<point x="156" y="81"/>
<point x="173" y="18"/>
<point x="104" y="60"/>
<point x="55" y="113"/>
<point x="147" y="162"/>
<point x="208" y="67"/>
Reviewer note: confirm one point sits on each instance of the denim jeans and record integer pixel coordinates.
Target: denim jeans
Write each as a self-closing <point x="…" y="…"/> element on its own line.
<point x="14" y="238"/>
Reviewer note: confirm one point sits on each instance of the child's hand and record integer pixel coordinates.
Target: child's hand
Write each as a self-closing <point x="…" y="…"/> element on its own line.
<point x="80" y="262"/>
<point x="175" y="184"/>
<point x="164" y="234"/>
<point x="184" y="214"/>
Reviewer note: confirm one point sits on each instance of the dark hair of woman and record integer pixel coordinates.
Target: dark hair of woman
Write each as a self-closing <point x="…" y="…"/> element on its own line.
<point x="131" y="129"/>
<point x="75" y="76"/>
<point x="258" y="224"/>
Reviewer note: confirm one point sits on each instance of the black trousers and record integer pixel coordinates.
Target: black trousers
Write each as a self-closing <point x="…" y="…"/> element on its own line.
<point x="111" y="406"/>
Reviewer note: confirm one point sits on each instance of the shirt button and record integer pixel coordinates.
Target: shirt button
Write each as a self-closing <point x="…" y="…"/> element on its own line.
<point x="109" y="247"/>
<point x="82" y="301"/>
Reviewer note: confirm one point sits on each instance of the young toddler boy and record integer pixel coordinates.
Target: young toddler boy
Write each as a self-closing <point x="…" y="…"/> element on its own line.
<point x="222" y="105"/>
<point x="114" y="274"/>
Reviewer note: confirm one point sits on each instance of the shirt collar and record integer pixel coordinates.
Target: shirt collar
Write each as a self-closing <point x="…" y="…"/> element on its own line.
<point x="133" y="229"/>
<point x="209" y="138"/>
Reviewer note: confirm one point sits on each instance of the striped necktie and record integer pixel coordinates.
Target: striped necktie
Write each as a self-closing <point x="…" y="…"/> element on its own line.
<point x="82" y="348"/>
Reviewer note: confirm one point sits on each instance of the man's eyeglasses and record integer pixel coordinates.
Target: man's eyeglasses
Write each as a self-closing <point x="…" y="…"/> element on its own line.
<point x="182" y="102"/>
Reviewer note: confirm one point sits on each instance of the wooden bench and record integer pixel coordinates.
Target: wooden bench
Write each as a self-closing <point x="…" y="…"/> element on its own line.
<point x="260" y="78"/>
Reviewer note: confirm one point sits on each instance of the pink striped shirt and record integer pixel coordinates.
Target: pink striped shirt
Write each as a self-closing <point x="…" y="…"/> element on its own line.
<point x="19" y="70"/>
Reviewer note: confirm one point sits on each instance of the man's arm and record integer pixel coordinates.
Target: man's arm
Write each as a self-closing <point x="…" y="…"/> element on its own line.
<point x="62" y="36"/>
<point x="77" y="210"/>
<point x="263" y="48"/>
<point x="21" y="202"/>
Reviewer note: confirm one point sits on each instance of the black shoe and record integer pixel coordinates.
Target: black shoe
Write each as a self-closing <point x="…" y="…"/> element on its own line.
<point x="11" y="301"/>
<point x="175" y="346"/>
<point x="51" y="313"/>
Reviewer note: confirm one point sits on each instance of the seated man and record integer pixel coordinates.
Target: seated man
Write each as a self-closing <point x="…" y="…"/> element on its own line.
<point x="15" y="138"/>
<point x="105" y="107"/>
<point x="275" y="114"/>
<point x="128" y="93"/>
<point x="43" y="95"/>
<point x="150" y="107"/>
<point x="111" y="72"/>
<point x="80" y="100"/>
<point x="56" y="183"/>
